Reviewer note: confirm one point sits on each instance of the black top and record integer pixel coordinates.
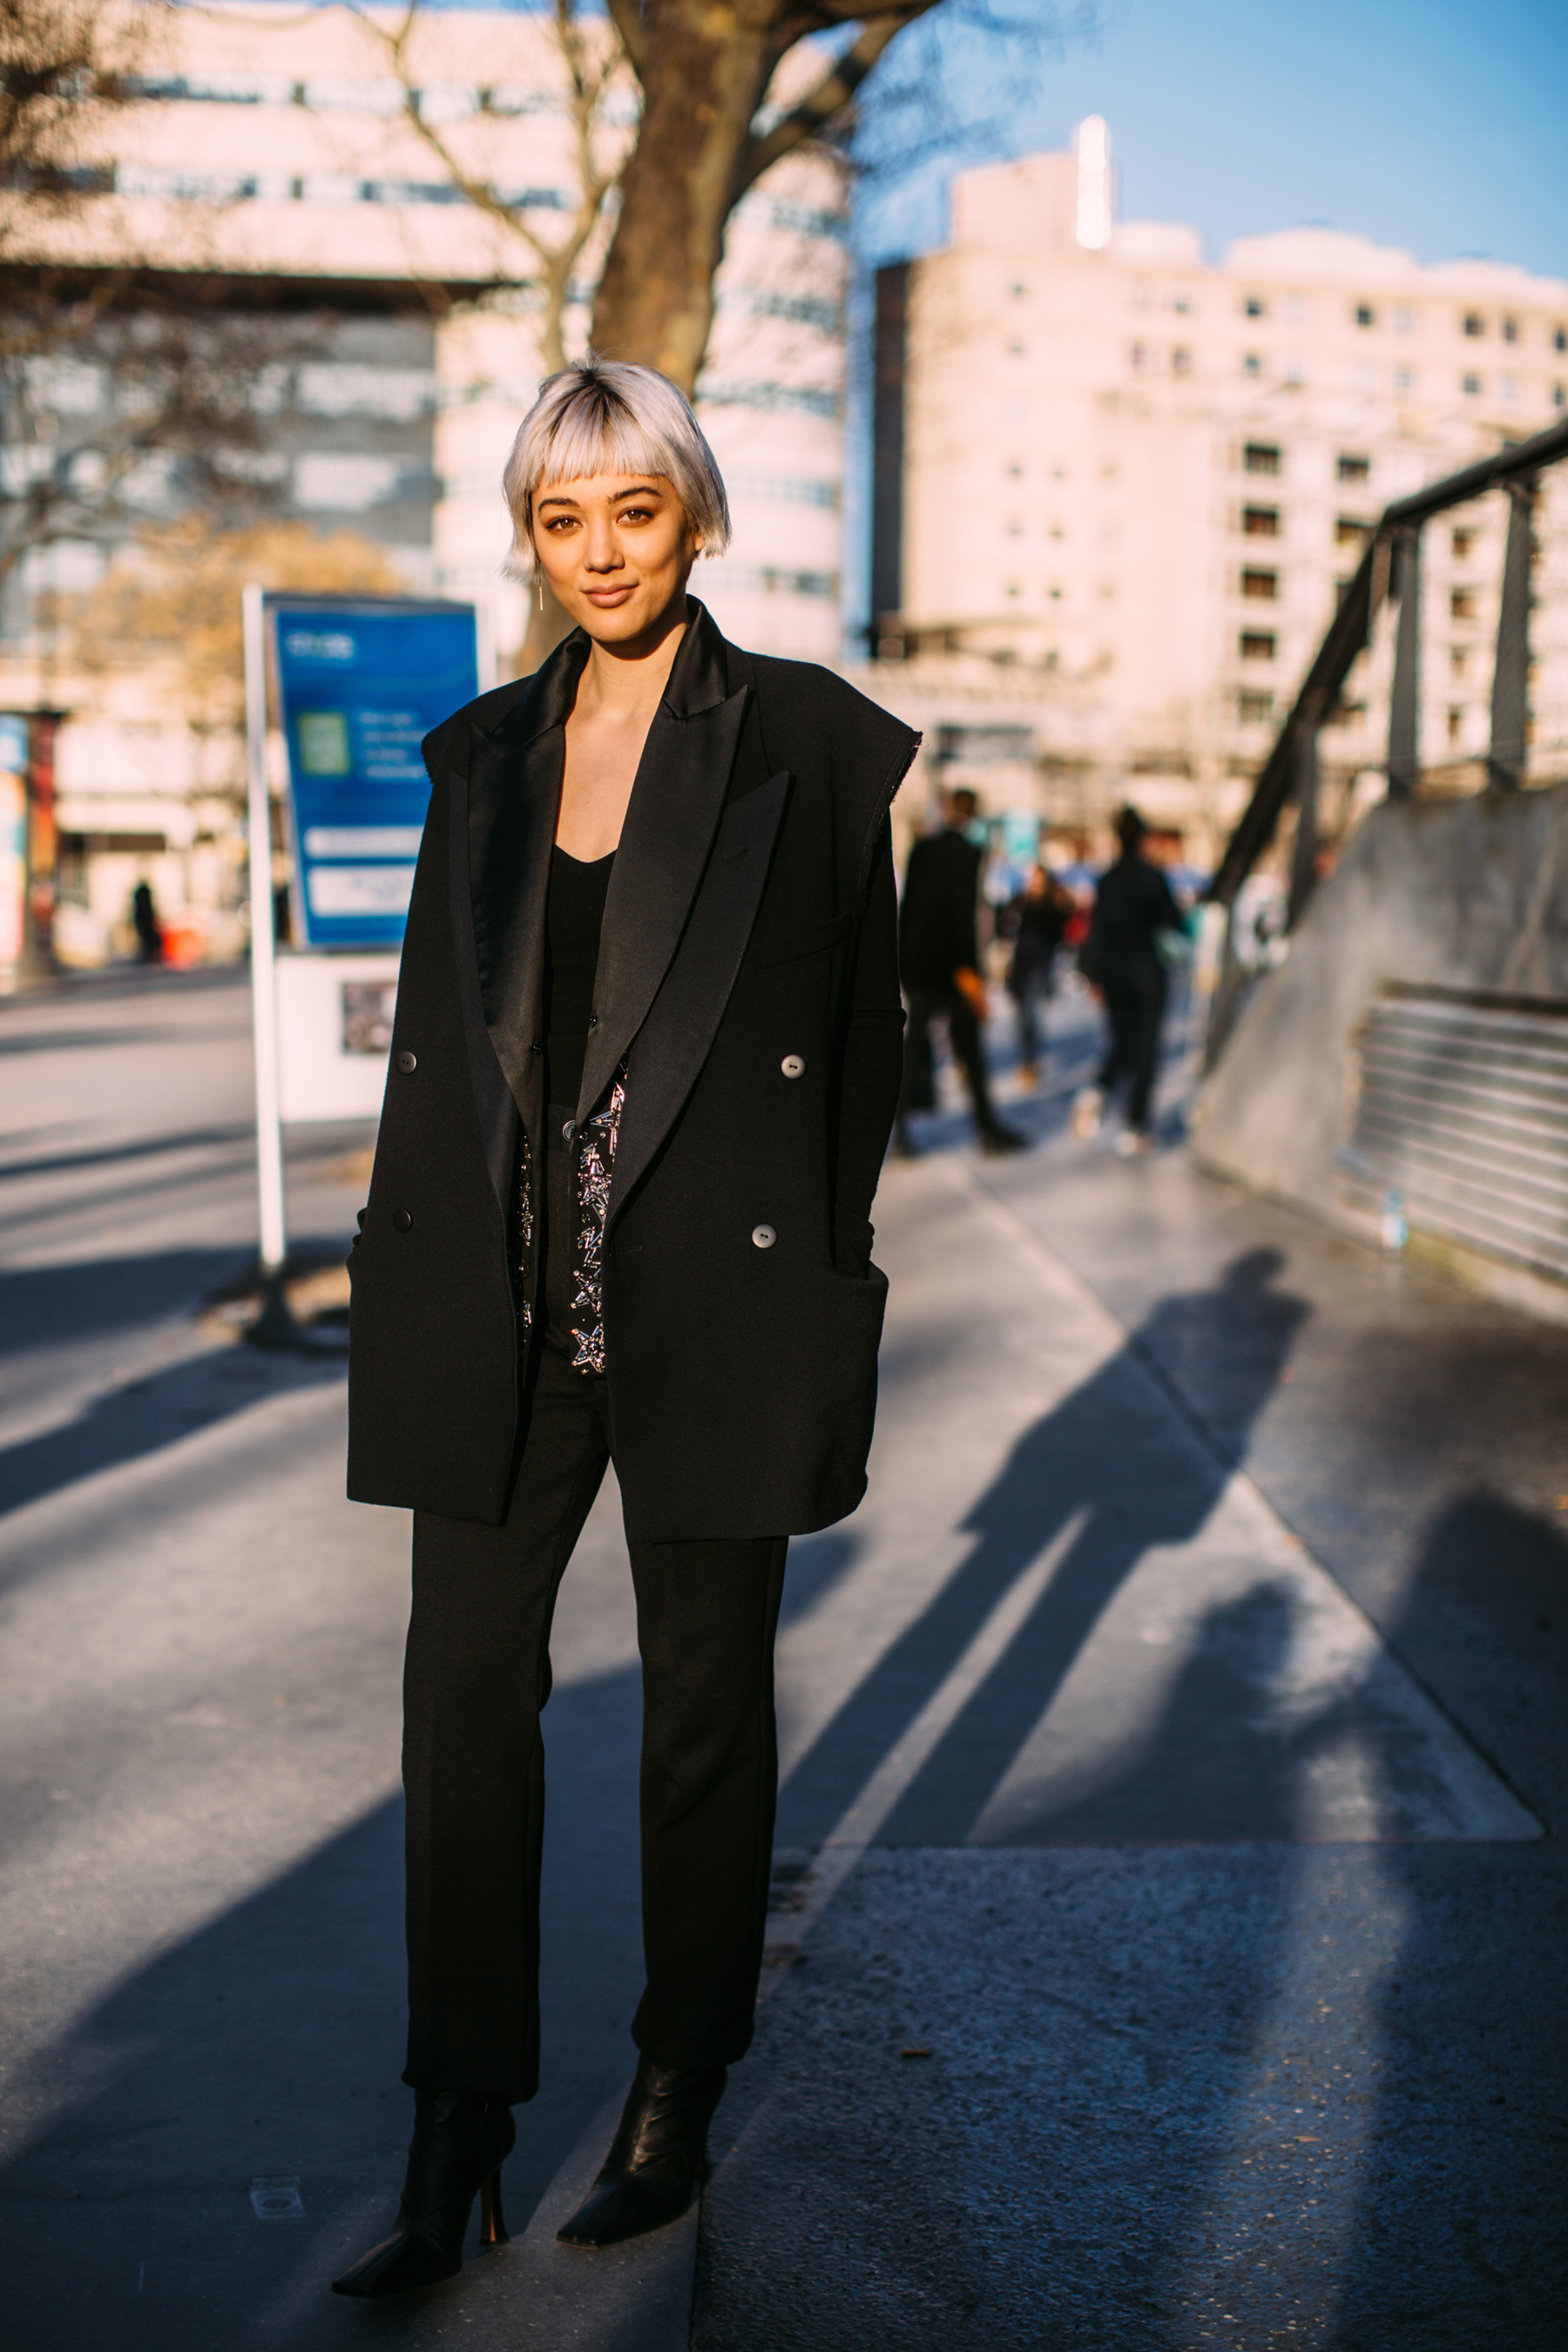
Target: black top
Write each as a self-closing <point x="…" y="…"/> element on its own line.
<point x="936" y="917"/>
<point x="573" y="918"/>
<point x="1036" y="925"/>
<point x="1131" y="906"/>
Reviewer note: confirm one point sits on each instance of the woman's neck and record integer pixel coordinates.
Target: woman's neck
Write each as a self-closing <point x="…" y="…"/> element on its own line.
<point x="622" y="684"/>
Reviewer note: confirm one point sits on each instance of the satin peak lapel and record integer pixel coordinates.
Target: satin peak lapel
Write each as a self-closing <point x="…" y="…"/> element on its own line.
<point x="514" y="796"/>
<point x="676" y="802"/>
<point x="678" y="1035"/>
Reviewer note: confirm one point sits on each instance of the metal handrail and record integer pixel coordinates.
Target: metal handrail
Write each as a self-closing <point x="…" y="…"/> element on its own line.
<point x="1389" y="553"/>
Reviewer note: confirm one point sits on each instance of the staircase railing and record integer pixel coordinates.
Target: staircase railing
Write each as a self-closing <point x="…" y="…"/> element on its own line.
<point x="1390" y="568"/>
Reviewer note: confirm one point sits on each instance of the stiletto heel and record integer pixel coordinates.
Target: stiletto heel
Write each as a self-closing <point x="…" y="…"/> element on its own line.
<point x="461" y="2140"/>
<point x="492" y="2220"/>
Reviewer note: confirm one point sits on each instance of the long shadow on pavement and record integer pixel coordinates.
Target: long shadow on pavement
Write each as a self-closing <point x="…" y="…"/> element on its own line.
<point x="1108" y="1452"/>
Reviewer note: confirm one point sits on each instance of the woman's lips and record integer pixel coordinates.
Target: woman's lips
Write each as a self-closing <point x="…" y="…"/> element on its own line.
<point x="608" y="596"/>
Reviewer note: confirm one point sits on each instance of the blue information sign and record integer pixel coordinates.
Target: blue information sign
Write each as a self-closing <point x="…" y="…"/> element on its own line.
<point x="360" y="683"/>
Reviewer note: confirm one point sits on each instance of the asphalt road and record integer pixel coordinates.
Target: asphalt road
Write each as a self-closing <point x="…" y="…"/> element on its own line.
<point x="1169" y="1894"/>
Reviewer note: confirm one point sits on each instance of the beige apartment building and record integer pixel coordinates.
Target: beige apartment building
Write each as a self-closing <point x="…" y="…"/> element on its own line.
<point x="269" y="154"/>
<point x="1117" y="489"/>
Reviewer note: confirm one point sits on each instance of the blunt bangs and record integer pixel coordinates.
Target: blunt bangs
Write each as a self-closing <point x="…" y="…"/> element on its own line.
<point x="611" y="417"/>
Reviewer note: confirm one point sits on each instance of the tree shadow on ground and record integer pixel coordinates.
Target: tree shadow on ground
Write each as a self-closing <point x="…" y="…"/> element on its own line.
<point x="1460" y="2241"/>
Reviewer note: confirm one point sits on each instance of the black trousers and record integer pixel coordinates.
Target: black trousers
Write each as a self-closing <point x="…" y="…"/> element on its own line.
<point x="919" y="1091"/>
<point x="1135" y="1005"/>
<point x="477" y="1677"/>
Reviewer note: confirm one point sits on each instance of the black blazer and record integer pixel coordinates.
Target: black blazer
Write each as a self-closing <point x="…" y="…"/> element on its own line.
<point x="750" y="924"/>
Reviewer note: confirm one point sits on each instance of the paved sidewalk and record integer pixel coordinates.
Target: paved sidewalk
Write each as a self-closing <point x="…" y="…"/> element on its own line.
<point x="1231" y="1960"/>
<point x="1196" y="1831"/>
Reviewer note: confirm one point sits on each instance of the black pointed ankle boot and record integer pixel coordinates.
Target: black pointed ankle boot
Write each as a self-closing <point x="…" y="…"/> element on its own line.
<point x="461" y="2140"/>
<point x="658" y="2159"/>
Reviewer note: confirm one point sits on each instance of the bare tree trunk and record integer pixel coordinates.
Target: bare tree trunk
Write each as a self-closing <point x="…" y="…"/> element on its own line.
<point x="704" y="70"/>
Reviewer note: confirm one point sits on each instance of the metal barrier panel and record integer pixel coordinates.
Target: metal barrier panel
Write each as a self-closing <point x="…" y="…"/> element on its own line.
<point x="1461" y="1111"/>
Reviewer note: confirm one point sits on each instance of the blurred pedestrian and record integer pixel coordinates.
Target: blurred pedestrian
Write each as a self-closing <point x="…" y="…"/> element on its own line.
<point x="1038" y="921"/>
<point x="1121" y="961"/>
<point x="145" y="924"/>
<point x="939" y="957"/>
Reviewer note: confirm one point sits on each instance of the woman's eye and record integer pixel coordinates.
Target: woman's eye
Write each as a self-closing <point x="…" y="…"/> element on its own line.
<point x="636" y="514"/>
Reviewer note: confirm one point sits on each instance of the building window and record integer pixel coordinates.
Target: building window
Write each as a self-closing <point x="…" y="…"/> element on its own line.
<point x="1474" y="324"/>
<point x="1253" y="308"/>
<point x="1472" y="384"/>
<point x="1181" y="361"/>
<point x="1365" y="316"/>
<point x="1353" y="469"/>
<point x="1181" y="304"/>
<point x="1404" y="319"/>
<point x="1560" y="339"/>
<point x="1510" y="330"/>
<point x="1262" y="458"/>
<point x="1295" y="368"/>
<point x="1462" y="542"/>
<point x="1260" y="523"/>
<point x="1016" y="349"/>
<point x="1253" y="709"/>
<point x="1456" y="725"/>
<point x="1252" y="364"/>
<point x="1458" y="661"/>
<point x="1258" y="644"/>
<point x="1349" y="531"/>
<point x="1262" y="586"/>
<point x="1559" y="396"/>
<point x="1140" y="355"/>
<point x="1015" y="469"/>
<point x="1462" y="603"/>
<point x="1056" y="595"/>
<point x="1019" y="292"/>
<point x="1403" y="379"/>
<point x="1508" y="386"/>
<point x="1012" y="588"/>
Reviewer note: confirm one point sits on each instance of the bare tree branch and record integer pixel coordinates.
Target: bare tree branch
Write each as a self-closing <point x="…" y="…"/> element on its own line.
<point x="626" y="18"/>
<point x="591" y="64"/>
<point x="812" y="115"/>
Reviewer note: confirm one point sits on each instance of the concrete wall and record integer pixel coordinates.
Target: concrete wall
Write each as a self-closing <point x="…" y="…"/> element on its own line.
<point x="1466" y="893"/>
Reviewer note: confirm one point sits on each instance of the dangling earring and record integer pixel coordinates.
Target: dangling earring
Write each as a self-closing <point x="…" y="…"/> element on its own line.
<point x="541" y="595"/>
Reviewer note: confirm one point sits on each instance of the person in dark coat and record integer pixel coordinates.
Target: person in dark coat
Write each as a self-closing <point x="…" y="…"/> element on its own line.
<point x="1036" y="921"/>
<point x="939" y="957"/>
<point x="145" y="924"/>
<point x="1121" y="958"/>
<point x="645" y="1061"/>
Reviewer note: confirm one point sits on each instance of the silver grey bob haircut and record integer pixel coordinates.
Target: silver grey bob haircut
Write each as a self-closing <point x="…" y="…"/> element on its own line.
<point x="611" y="417"/>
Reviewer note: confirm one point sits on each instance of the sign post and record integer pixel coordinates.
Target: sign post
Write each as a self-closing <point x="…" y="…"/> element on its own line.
<point x="360" y="682"/>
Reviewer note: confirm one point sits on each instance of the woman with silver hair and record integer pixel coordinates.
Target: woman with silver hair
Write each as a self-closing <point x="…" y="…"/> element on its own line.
<point x="643" y="1069"/>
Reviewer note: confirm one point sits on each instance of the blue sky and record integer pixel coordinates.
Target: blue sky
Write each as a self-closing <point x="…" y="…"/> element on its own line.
<point x="1438" y="126"/>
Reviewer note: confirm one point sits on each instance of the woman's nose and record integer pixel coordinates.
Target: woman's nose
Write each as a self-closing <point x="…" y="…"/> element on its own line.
<point x="602" y="554"/>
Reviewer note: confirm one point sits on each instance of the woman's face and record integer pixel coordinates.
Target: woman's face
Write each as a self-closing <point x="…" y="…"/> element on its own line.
<point x="617" y="550"/>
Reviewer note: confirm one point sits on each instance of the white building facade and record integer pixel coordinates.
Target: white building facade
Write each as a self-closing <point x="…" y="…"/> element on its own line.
<point x="1119" y="490"/>
<point x="270" y="152"/>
